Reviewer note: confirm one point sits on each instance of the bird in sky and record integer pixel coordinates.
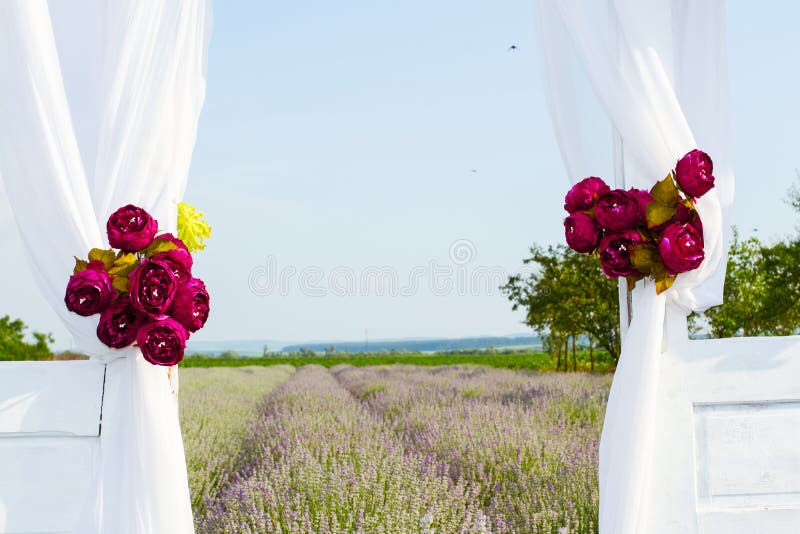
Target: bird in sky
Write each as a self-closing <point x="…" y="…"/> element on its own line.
<point x="513" y="47"/>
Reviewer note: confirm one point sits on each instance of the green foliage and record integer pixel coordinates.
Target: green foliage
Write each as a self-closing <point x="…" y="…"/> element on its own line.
<point x="14" y="347"/>
<point x="567" y="296"/>
<point x="762" y="288"/>
<point x="743" y="311"/>
<point x="780" y="310"/>
<point x="538" y="361"/>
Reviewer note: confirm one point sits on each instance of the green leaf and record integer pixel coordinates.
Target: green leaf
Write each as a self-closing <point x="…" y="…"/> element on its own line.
<point x="124" y="264"/>
<point x="158" y="246"/>
<point x="106" y="256"/>
<point x="666" y="192"/>
<point x="80" y="265"/>
<point x="663" y="283"/>
<point x="645" y="258"/>
<point x="121" y="283"/>
<point x="658" y="214"/>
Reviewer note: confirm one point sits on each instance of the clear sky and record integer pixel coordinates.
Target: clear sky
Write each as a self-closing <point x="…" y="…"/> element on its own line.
<point x="376" y="165"/>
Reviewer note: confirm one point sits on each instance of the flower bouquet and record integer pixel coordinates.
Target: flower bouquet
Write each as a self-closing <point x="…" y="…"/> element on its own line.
<point x="144" y="291"/>
<point x="638" y="233"/>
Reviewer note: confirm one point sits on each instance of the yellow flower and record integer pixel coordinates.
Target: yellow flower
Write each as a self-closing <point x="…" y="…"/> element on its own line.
<point x="193" y="229"/>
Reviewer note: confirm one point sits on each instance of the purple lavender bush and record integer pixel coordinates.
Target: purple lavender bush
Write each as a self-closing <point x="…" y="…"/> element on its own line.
<point x="416" y="449"/>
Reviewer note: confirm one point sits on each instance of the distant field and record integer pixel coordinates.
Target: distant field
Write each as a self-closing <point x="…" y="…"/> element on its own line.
<point x="537" y="361"/>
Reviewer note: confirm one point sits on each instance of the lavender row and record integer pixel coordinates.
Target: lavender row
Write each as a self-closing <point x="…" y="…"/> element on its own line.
<point x="407" y="449"/>
<point x="218" y="406"/>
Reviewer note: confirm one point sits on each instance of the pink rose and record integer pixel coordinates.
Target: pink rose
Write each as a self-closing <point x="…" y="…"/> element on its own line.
<point x="584" y="194"/>
<point x="582" y="232"/>
<point x="681" y="248"/>
<point x="617" y="210"/>
<point x="686" y="215"/>
<point x="131" y="228"/>
<point x="180" y="263"/>
<point x="191" y="305"/>
<point x="89" y="291"/>
<point x="615" y="253"/>
<point x="643" y="198"/>
<point x="152" y="287"/>
<point x="119" y="323"/>
<point x="694" y="173"/>
<point x="162" y="341"/>
<point x="174" y="240"/>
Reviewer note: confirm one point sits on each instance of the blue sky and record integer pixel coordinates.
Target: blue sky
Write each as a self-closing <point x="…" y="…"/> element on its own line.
<point x="351" y="143"/>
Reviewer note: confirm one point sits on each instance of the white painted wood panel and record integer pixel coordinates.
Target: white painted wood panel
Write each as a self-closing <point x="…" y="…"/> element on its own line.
<point x="50" y="415"/>
<point x="727" y="458"/>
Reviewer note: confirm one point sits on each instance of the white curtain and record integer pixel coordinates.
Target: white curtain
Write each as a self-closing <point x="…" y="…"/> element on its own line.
<point x="99" y="104"/>
<point x="658" y="70"/>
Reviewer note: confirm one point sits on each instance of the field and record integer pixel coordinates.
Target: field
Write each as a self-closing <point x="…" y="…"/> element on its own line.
<point x="392" y="449"/>
<point x="531" y="360"/>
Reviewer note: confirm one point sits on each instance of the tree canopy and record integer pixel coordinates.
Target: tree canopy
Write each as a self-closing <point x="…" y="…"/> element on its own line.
<point x="13" y="345"/>
<point x="566" y="296"/>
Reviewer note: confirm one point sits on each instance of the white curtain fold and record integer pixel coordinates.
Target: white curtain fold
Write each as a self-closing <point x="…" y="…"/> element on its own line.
<point x="99" y="105"/>
<point x="658" y="69"/>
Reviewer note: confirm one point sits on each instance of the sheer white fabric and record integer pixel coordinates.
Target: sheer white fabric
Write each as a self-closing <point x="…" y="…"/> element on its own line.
<point x="658" y="68"/>
<point x="99" y="104"/>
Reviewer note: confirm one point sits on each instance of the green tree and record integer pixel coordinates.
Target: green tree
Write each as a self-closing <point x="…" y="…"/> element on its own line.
<point x="567" y="296"/>
<point x="780" y="307"/>
<point x="13" y="345"/>
<point x="743" y="311"/>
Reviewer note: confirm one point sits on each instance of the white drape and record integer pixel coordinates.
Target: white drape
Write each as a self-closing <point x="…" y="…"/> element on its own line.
<point x="99" y="104"/>
<point x="658" y="68"/>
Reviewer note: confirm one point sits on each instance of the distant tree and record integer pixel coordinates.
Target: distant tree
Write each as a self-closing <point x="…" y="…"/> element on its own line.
<point x="567" y="296"/>
<point x="14" y="347"/>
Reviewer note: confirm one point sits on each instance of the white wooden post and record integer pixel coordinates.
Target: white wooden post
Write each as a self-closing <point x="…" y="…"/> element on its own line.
<point x="625" y="303"/>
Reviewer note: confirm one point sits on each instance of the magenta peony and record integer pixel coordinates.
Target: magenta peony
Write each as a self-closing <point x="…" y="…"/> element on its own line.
<point x="617" y="210"/>
<point x="615" y="254"/>
<point x="694" y="173"/>
<point x="152" y="287"/>
<point x="174" y="240"/>
<point x="582" y="232"/>
<point x="162" y="340"/>
<point x="131" y="229"/>
<point x="89" y="291"/>
<point x="180" y="263"/>
<point x="191" y="305"/>
<point x="643" y="198"/>
<point x="681" y="248"/>
<point x="584" y="194"/>
<point x="119" y="323"/>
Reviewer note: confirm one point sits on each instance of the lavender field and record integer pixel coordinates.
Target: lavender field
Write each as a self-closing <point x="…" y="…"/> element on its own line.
<point x="394" y="449"/>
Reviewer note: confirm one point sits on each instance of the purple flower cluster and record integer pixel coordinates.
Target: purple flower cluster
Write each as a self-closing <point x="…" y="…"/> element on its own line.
<point x="144" y="293"/>
<point x="638" y="233"/>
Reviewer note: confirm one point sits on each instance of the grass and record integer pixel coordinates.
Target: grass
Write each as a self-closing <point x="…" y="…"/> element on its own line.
<point x="536" y="361"/>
